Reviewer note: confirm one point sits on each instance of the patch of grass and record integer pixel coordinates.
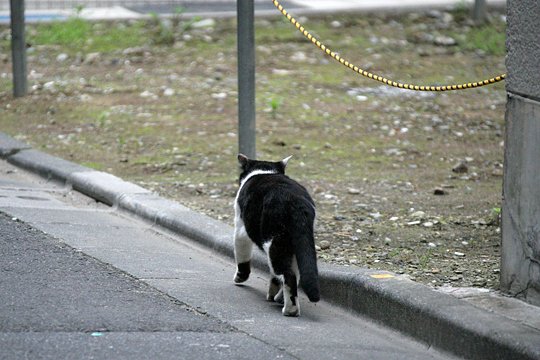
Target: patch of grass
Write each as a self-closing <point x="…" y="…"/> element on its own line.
<point x="77" y="34"/>
<point x="488" y="38"/>
<point x="93" y="165"/>
<point x="71" y="33"/>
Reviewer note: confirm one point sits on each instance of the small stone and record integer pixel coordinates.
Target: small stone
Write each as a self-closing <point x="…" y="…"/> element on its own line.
<point x="418" y="214"/>
<point x="281" y="72"/>
<point x="147" y="94"/>
<point x="62" y="57"/>
<point x="324" y="245"/>
<point x="361" y="98"/>
<point x="134" y="51"/>
<point x="204" y="23"/>
<point x="376" y="215"/>
<point x="444" y="41"/>
<point x="412" y="223"/>
<point x="460" y="254"/>
<point x="460" y="168"/>
<point x="219" y="96"/>
<point x="497" y="172"/>
<point x="353" y="191"/>
<point x="50" y="86"/>
<point x="428" y="224"/>
<point x="168" y="92"/>
<point x="439" y="191"/>
<point x="479" y="282"/>
<point x="299" y="56"/>
<point x="432" y="245"/>
<point x="92" y="58"/>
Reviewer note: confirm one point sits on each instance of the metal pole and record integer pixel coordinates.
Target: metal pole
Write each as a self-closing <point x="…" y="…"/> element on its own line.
<point x="479" y="11"/>
<point x="18" y="48"/>
<point x="246" y="78"/>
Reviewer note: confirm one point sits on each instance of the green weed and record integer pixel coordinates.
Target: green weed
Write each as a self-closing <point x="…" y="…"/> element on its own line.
<point x="78" y="35"/>
<point x="275" y="104"/>
<point x="487" y="38"/>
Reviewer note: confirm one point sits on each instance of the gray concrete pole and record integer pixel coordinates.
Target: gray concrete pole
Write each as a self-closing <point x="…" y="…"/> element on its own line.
<point x="18" y="48"/>
<point x="246" y="78"/>
<point x="520" y="262"/>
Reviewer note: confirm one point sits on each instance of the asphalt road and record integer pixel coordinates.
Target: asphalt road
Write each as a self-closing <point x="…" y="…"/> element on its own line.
<point x="81" y="280"/>
<point x="56" y="302"/>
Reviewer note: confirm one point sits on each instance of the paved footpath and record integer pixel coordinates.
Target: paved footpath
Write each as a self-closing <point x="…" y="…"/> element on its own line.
<point x="80" y="279"/>
<point x="37" y="10"/>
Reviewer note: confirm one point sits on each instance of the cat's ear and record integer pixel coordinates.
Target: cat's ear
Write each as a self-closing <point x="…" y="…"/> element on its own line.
<point x="242" y="160"/>
<point x="285" y="161"/>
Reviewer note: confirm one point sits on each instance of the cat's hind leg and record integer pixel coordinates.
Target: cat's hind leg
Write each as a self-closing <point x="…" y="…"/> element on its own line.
<point x="291" y="307"/>
<point x="283" y="263"/>
<point x="243" y="247"/>
<point x="273" y="289"/>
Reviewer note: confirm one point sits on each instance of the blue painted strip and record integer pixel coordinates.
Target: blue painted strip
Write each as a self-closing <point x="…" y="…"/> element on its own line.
<point x="5" y="19"/>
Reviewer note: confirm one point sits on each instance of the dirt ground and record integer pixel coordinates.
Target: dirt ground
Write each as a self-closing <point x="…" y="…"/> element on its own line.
<point x="404" y="181"/>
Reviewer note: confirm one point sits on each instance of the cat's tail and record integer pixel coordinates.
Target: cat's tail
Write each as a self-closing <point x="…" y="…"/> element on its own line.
<point x="306" y="258"/>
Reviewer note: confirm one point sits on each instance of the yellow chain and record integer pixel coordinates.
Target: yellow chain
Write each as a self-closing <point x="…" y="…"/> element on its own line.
<point x="379" y="78"/>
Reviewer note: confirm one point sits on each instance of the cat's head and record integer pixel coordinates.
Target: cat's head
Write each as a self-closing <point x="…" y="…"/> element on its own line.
<point x="248" y="165"/>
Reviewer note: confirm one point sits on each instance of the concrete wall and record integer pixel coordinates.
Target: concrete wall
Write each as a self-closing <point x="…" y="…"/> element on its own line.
<point x="520" y="263"/>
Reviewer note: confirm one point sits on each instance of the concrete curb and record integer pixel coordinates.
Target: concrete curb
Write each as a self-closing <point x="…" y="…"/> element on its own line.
<point x="438" y="319"/>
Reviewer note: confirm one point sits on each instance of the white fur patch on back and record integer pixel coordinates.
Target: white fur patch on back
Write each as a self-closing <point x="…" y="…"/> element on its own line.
<point x="252" y="174"/>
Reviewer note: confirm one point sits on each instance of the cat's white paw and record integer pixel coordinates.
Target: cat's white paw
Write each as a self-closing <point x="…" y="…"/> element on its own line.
<point x="292" y="310"/>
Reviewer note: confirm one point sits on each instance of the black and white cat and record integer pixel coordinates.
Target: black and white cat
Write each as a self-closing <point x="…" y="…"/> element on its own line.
<point x="277" y="214"/>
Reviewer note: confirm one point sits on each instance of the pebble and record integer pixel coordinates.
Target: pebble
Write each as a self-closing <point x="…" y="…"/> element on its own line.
<point x="353" y="191"/>
<point x="168" y="92"/>
<point x="134" y="51"/>
<point x="299" y="56"/>
<point x="444" y="41"/>
<point x="219" y="96"/>
<point x="460" y="254"/>
<point x="412" y="223"/>
<point x="428" y="224"/>
<point x="361" y="97"/>
<point x="324" y="245"/>
<point x="49" y="86"/>
<point x="418" y="214"/>
<point x="204" y="23"/>
<point x="148" y="94"/>
<point x="460" y="168"/>
<point x="439" y="191"/>
<point x="62" y="57"/>
<point x="376" y="215"/>
<point x="92" y="58"/>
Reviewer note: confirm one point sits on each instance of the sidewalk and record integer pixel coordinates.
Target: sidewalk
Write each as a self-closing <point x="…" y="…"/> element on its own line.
<point x="81" y="279"/>
<point x="205" y="8"/>
<point x="468" y="322"/>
